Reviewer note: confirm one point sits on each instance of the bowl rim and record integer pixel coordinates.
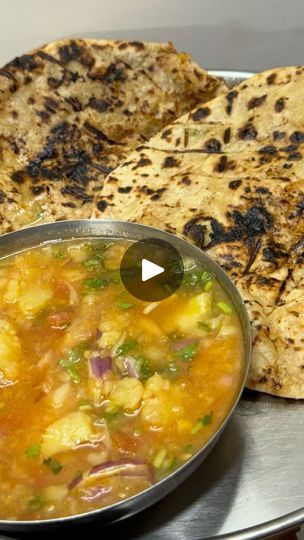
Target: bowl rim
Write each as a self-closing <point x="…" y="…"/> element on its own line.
<point x="133" y="231"/>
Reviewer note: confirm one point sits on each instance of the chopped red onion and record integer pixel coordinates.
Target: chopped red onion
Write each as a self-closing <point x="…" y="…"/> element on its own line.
<point x="122" y="467"/>
<point x="99" y="366"/>
<point x="76" y="481"/>
<point x="95" y="492"/>
<point x="130" y="365"/>
<point x="98" y="334"/>
<point x="183" y="343"/>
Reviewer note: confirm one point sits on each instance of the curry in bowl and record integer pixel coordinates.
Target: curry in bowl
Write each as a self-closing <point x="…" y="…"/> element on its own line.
<point x="101" y="394"/>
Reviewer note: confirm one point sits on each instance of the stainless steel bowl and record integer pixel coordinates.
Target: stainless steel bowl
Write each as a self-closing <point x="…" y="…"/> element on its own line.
<point x="80" y="229"/>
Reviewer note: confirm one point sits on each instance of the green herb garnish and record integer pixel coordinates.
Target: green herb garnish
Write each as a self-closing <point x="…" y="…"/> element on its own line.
<point x="85" y="405"/>
<point x="53" y="464"/>
<point x="144" y="368"/>
<point x="204" y="421"/>
<point x="159" y="458"/>
<point x="126" y="347"/>
<point x="93" y="264"/>
<point x="95" y="283"/>
<point x="225" y="308"/>
<point x="33" y="451"/>
<point x="74" y="374"/>
<point x="204" y="326"/>
<point x="36" y="503"/>
<point x="58" y="254"/>
<point x="187" y="353"/>
<point x="123" y="305"/>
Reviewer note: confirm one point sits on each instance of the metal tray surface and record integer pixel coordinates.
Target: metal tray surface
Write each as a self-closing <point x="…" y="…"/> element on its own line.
<point x="250" y="486"/>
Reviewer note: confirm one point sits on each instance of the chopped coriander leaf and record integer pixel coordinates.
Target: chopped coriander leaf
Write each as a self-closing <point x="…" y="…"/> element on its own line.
<point x="225" y="308"/>
<point x="208" y="285"/>
<point x="188" y="448"/>
<point x="187" y="353"/>
<point x="123" y="304"/>
<point x="74" y="374"/>
<point x="85" y="405"/>
<point x="111" y="414"/>
<point x="92" y="264"/>
<point x="172" y="368"/>
<point x="33" y="451"/>
<point x="207" y="419"/>
<point x="204" y="326"/>
<point x="197" y="277"/>
<point x="144" y="368"/>
<point x="58" y="254"/>
<point x="53" y="464"/>
<point x="204" y="421"/>
<point x="95" y="283"/>
<point x="126" y="347"/>
<point x="36" y="503"/>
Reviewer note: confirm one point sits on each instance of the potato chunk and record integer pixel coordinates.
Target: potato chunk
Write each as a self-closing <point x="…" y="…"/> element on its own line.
<point x="33" y="299"/>
<point x="10" y="351"/>
<point x="162" y="403"/>
<point x="66" y="433"/>
<point x="127" y="393"/>
<point x="193" y="310"/>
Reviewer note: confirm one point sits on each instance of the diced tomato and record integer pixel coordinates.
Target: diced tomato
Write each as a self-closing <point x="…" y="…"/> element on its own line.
<point x="59" y="321"/>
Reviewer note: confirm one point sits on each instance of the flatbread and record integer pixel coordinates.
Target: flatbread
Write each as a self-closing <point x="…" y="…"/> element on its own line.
<point x="72" y="110"/>
<point x="229" y="177"/>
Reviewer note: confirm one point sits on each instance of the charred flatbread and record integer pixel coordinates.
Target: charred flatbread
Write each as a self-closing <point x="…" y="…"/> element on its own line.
<point x="229" y="177"/>
<point x="72" y="110"/>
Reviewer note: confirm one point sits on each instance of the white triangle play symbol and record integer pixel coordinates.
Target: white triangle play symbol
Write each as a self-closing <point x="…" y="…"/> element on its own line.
<point x="150" y="270"/>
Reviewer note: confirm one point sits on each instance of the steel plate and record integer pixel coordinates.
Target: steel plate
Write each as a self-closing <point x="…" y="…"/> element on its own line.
<point x="250" y="486"/>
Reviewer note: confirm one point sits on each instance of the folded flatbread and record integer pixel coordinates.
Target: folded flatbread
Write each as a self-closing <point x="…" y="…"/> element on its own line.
<point x="228" y="176"/>
<point x="72" y="110"/>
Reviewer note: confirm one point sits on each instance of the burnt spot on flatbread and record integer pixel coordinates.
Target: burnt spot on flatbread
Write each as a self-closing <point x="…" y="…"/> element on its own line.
<point x="27" y="62"/>
<point x="186" y="180"/>
<point x="115" y="72"/>
<point x="166" y="134"/>
<point x="234" y="184"/>
<point x="289" y="148"/>
<point x="262" y="190"/>
<point x="200" y="114"/>
<point x="247" y="132"/>
<point x="74" y="102"/>
<point x="279" y="105"/>
<point x="296" y="156"/>
<point x="126" y="189"/>
<point x="169" y="162"/>
<point x="102" y="205"/>
<point x="283" y="286"/>
<point x="253" y="246"/>
<point x="270" y="150"/>
<point x="271" y="78"/>
<point x="69" y="52"/>
<point x="227" y="135"/>
<point x="100" y="105"/>
<point x="50" y="104"/>
<point x="274" y="254"/>
<point x="297" y="137"/>
<point x="255" y="102"/>
<point x="142" y="162"/>
<point x="224" y="164"/>
<point x="212" y="146"/>
<point x="230" y="97"/>
<point x="195" y="232"/>
<point x="278" y="135"/>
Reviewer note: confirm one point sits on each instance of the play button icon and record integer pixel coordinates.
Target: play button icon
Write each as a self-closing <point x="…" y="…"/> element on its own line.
<point x="151" y="269"/>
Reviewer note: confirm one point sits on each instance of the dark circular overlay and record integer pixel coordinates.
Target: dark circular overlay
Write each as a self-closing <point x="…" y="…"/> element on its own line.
<point x="157" y="252"/>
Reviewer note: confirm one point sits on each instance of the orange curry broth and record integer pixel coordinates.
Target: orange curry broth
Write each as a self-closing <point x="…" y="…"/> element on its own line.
<point x="175" y="369"/>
